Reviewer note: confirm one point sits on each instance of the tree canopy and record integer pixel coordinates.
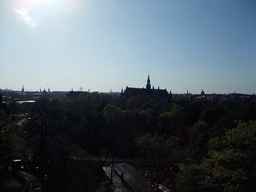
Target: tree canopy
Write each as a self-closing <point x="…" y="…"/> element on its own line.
<point x="230" y="165"/>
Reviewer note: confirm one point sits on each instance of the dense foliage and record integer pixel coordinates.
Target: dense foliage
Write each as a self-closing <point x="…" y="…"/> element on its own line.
<point x="190" y="145"/>
<point x="230" y="164"/>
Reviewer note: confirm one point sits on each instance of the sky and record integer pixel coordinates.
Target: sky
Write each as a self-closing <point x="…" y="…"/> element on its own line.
<point x="103" y="45"/>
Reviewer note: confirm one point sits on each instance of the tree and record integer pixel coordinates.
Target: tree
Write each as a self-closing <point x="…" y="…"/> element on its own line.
<point x="12" y="138"/>
<point x="230" y="165"/>
<point x="198" y="145"/>
<point x="169" y="121"/>
<point x="178" y="113"/>
<point x="57" y="151"/>
<point x="188" y="179"/>
<point x="162" y="153"/>
<point x="210" y="115"/>
<point x="106" y="186"/>
<point x="166" y="123"/>
<point x="245" y="111"/>
<point x="137" y="121"/>
<point x="134" y="102"/>
<point x="112" y="113"/>
<point x="15" y="108"/>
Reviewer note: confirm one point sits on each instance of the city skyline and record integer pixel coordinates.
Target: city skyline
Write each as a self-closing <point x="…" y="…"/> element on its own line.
<point x="108" y="45"/>
<point x="48" y="90"/>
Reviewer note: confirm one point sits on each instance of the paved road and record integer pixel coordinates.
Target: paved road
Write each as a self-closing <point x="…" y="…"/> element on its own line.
<point x="119" y="186"/>
<point x="21" y="122"/>
<point x="32" y="182"/>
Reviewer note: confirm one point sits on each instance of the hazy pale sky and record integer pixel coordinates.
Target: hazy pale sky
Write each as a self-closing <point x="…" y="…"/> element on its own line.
<point x="110" y="44"/>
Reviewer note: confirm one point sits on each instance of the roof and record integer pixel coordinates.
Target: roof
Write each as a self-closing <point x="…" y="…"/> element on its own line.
<point x="124" y="174"/>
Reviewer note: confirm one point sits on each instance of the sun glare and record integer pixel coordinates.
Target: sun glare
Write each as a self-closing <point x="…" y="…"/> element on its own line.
<point x="32" y="11"/>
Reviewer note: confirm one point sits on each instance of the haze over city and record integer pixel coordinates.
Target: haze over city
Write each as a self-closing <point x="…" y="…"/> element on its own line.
<point x="108" y="45"/>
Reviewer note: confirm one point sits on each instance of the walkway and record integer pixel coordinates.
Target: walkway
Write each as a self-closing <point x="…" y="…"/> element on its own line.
<point x="32" y="182"/>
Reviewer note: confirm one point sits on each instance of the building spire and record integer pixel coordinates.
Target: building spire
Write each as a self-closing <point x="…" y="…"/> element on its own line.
<point x="148" y="86"/>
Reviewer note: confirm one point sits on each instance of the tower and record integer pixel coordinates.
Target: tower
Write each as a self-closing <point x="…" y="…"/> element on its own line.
<point x="148" y="86"/>
<point x="22" y="90"/>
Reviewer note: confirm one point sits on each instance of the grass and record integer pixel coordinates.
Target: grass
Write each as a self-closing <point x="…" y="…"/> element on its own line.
<point x="138" y="162"/>
<point x="10" y="183"/>
<point x="83" y="176"/>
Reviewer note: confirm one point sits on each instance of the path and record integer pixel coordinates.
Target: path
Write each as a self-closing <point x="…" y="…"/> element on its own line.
<point x="32" y="182"/>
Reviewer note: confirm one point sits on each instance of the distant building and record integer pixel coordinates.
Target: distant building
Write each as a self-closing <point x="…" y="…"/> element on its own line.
<point x="157" y="93"/>
<point x="73" y="94"/>
<point x="3" y="105"/>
